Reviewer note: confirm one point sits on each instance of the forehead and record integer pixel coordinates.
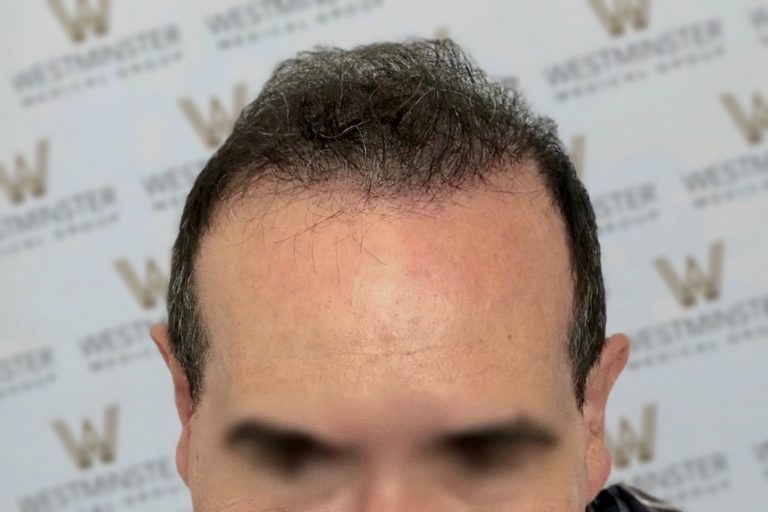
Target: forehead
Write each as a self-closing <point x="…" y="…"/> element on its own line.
<point x="312" y="297"/>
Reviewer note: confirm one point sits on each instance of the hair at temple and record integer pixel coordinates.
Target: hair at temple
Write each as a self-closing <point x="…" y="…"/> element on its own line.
<point x="410" y="121"/>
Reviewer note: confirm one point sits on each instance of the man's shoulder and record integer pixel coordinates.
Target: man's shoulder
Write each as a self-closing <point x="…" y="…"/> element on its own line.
<point x="623" y="497"/>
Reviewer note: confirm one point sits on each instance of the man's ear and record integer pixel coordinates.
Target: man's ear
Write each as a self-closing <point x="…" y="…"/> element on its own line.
<point x="162" y="339"/>
<point x="601" y="379"/>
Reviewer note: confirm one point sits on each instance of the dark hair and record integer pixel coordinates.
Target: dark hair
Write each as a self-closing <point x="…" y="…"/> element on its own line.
<point x="391" y="120"/>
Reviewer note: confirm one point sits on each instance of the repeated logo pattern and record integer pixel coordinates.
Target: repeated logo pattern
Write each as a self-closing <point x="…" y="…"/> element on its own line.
<point x="84" y="17"/>
<point x="217" y="125"/>
<point x="23" y="179"/>
<point x="112" y="107"/>
<point x="92" y="445"/>
<point x="622" y="13"/>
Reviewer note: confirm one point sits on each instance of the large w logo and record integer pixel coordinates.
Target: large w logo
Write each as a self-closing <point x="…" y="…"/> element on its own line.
<point x="630" y="445"/>
<point x="578" y="152"/>
<point x="85" y="17"/>
<point x="695" y="281"/>
<point x="218" y="125"/>
<point x="622" y="13"/>
<point x="149" y="290"/>
<point x="752" y="124"/>
<point x="26" y="179"/>
<point x="91" y="445"/>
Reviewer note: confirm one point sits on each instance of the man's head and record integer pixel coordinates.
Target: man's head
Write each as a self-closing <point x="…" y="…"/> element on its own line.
<point x="386" y="294"/>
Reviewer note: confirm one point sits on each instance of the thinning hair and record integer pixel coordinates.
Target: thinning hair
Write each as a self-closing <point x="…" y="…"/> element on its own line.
<point x="408" y="120"/>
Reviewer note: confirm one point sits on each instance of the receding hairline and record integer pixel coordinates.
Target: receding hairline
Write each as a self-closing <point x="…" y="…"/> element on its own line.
<point x="503" y="185"/>
<point x="438" y="119"/>
<point x="349" y="195"/>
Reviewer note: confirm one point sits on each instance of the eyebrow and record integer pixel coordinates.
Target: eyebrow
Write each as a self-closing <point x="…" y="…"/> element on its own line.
<point x="520" y="431"/>
<point x="517" y="432"/>
<point x="262" y="432"/>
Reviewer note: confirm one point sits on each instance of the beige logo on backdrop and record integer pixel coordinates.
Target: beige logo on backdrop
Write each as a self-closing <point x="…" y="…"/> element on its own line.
<point x="616" y="15"/>
<point x="630" y="445"/>
<point x="82" y="17"/>
<point x="150" y="289"/>
<point x="91" y="445"/>
<point x="696" y="282"/>
<point x="578" y="153"/>
<point x="752" y="120"/>
<point x="22" y="179"/>
<point x="441" y="33"/>
<point x="219" y="123"/>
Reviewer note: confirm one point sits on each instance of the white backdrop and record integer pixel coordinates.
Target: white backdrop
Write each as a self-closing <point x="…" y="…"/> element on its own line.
<point x="109" y="110"/>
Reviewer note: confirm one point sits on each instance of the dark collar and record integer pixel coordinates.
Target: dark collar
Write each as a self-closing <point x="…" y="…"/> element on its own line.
<point x="622" y="497"/>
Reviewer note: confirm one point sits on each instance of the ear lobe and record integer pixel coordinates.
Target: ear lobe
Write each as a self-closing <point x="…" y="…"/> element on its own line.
<point x="161" y="337"/>
<point x="602" y="377"/>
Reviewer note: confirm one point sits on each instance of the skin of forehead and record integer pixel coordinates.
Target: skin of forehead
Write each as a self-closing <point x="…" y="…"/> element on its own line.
<point x="302" y="298"/>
